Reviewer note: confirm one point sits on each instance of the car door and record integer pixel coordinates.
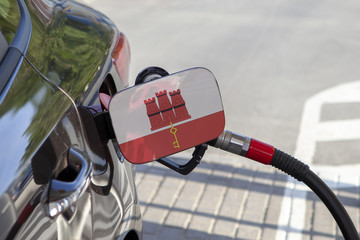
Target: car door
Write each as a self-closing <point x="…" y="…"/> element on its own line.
<point x="46" y="170"/>
<point x="62" y="177"/>
<point x="43" y="154"/>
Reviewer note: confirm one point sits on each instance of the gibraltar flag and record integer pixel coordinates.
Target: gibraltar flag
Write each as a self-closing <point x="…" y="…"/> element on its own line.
<point x="167" y="115"/>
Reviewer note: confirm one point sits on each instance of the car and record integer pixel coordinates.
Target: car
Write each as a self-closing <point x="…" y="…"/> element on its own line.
<point x="62" y="174"/>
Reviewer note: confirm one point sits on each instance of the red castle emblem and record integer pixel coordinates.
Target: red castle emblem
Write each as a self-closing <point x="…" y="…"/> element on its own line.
<point x="167" y="113"/>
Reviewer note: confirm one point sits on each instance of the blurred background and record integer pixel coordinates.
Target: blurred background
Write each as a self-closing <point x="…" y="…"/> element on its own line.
<point x="269" y="58"/>
<point x="288" y="71"/>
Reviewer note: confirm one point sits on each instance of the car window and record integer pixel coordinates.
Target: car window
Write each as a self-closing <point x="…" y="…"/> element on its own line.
<point x="3" y="46"/>
<point x="15" y="27"/>
<point x="9" y="19"/>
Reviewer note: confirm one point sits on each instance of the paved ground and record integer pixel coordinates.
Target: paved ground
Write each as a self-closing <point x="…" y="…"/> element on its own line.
<point x="234" y="201"/>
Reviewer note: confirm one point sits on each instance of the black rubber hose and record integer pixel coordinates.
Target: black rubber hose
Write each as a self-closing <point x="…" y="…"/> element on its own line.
<point x="302" y="172"/>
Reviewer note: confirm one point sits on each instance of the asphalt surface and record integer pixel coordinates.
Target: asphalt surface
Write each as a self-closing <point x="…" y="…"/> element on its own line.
<point x="269" y="58"/>
<point x="289" y="75"/>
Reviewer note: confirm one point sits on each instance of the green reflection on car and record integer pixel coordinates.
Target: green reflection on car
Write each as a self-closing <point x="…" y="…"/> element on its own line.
<point x="69" y="50"/>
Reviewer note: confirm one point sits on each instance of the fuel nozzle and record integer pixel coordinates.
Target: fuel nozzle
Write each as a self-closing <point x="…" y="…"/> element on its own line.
<point x="260" y="152"/>
<point x="244" y="146"/>
<point x="232" y="142"/>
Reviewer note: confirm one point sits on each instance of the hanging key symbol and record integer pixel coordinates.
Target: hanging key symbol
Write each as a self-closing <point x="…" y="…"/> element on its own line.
<point x="173" y="131"/>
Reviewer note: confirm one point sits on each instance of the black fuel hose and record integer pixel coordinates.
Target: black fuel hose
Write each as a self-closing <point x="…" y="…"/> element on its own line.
<point x="268" y="155"/>
<point x="302" y="172"/>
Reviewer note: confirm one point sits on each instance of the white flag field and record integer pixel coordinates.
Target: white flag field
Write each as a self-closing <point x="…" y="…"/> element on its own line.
<point x="167" y="115"/>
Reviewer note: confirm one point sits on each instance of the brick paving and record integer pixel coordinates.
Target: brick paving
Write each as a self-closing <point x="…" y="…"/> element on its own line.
<point x="220" y="200"/>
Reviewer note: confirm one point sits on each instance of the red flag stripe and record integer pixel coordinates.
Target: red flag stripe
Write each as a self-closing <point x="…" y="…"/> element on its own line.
<point x="162" y="143"/>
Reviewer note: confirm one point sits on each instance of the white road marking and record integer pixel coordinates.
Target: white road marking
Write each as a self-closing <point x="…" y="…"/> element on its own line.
<point x="293" y="210"/>
<point x="338" y="130"/>
<point x="312" y="130"/>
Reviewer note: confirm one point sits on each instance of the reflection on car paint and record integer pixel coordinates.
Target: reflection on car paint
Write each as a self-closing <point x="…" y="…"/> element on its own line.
<point x="71" y="46"/>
